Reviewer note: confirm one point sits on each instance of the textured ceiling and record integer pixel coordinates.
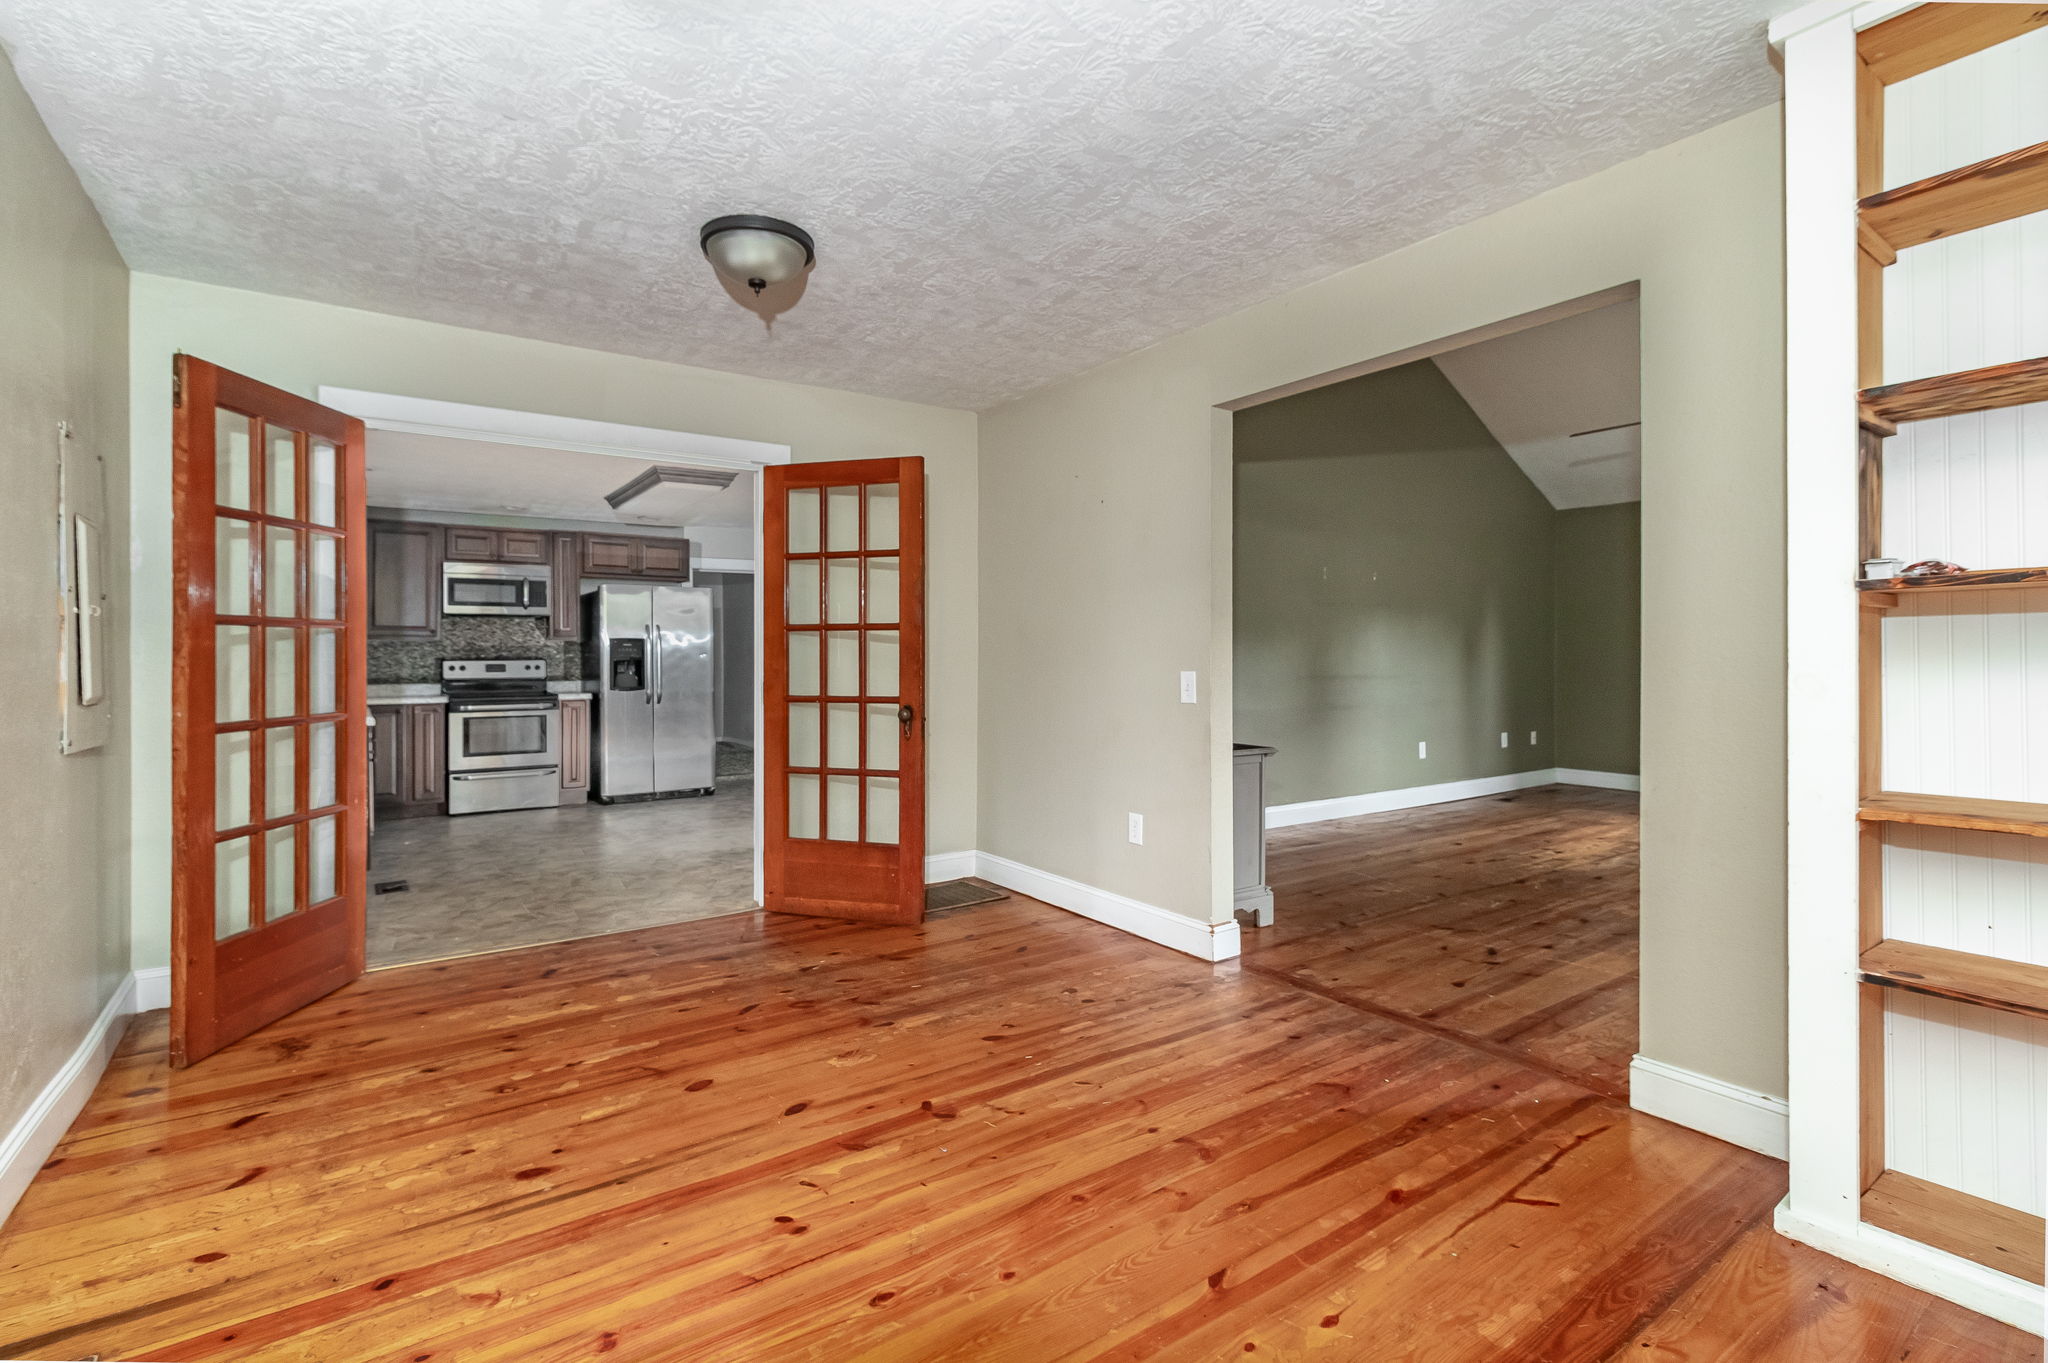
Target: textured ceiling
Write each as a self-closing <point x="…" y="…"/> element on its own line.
<point x="1003" y="193"/>
<point x="1543" y="390"/>
<point x="439" y="473"/>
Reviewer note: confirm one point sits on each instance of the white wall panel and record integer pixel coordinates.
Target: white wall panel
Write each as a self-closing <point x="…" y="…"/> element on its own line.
<point x="1963" y="302"/>
<point x="1966" y="695"/>
<point x="1972" y="489"/>
<point x="1980" y="298"/>
<point x="1966" y="1089"/>
<point x="1985" y="893"/>
<point x="1991" y="102"/>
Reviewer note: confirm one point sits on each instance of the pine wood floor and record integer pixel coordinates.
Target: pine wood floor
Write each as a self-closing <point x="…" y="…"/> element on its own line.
<point x="1007" y="1135"/>
<point x="1508" y="923"/>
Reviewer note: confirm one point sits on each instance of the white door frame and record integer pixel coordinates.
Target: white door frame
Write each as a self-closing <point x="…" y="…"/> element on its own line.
<point x="541" y="430"/>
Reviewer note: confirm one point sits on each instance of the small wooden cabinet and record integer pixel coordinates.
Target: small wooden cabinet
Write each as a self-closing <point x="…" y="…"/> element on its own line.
<point x="484" y="544"/>
<point x="405" y="580"/>
<point x="410" y="775"/>
<point x="608" y="555"/>
<point x="575" y="749"/>
<point x="565" y="614"/>
<point x="665" y="558"/>
<point x="636" y="556"/>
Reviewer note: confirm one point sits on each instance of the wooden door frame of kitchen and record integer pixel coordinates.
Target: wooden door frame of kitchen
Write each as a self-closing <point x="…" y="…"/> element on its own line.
<point x="578" y="435"/>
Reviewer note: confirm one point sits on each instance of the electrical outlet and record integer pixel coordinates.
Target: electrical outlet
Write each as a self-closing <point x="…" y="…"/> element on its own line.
<point x="1187" y="688"/>
<point x="1138" y="828"/>
<point x="1422" y="750"/>
<point x="1503" y="740"/>
<point x="1532" y="738"/>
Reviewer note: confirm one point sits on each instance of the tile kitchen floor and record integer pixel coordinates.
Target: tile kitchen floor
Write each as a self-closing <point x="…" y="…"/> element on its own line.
<point x="485" y="882"/>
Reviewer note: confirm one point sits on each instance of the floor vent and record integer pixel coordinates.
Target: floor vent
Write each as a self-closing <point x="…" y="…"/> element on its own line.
<point x="959" y="894"/>
<point x="392" y="886"/>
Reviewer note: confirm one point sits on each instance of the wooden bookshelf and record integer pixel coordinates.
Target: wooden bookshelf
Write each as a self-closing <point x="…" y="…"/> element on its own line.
<point x="1961" y="200"/>
<point x="1890" y="220"/>
<point x="1934" y="35"/>
<point x="1972" y="390"/>
<point x="1982" y="579"/>
<point x="1988" y="1233"/>
<point x="1957" y="811"/>
<point x="1959" y="976"/>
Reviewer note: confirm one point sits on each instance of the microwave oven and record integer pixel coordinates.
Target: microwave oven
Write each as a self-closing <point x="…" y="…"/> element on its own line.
<point x="494" y="589"/>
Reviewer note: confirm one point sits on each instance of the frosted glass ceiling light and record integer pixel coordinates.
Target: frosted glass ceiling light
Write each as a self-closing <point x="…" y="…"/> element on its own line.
<point x="757" y="251"/>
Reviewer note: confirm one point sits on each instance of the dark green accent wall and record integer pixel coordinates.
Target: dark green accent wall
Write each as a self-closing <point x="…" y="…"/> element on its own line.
<point x="1599" y="603"/>
<point x="1397" y="580"/>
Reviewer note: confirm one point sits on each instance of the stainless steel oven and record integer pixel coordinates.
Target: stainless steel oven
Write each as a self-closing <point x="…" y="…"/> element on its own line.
<point x="494" y="588"/>
<point x="504" y="736"/>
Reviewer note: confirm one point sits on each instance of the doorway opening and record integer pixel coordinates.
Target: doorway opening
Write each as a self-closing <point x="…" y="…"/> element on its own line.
<point x="1436" y="587"/>
<point x="562" y="677"/>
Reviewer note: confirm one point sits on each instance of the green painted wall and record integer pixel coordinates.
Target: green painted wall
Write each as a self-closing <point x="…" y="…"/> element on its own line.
<point x="1398" y="580"/>
<point x="1393" y="586"/>
<point x="1599" y="602"/>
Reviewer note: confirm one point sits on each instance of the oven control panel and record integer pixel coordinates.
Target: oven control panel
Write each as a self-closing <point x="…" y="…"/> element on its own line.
<point x="493" y="669"/>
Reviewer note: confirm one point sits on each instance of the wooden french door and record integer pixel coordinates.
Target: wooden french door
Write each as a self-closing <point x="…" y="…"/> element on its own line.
<point x="269" y="755"/>
<point x="842" y="745"/>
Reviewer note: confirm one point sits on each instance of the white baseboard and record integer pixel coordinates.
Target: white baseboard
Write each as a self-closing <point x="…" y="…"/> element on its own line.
<point x="28" y="1144"/>
<point x="152" y="988"/>
<point x="1967" y="1284"/>
<point x="1605" y="780"/>
<point x="1739" y="1116"/>
<point x="1414" y="797"/>
<point x="944" y="866"/>
<point x="1204" y="941"/>
<point x="1380" y="801"/>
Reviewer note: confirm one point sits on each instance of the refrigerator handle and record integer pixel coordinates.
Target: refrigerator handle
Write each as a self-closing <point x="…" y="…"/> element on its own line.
<point x="654" y="664"/>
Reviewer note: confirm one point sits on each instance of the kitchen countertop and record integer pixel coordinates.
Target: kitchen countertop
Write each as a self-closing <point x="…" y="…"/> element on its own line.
<point x="429" y="693"/>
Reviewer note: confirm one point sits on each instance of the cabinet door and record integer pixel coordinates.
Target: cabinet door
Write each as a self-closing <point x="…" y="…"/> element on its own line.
<point x="609" y="556"/>
<point x="575" y="743"/>
<point x="405" y="580"/>
<point x="665" y="558"/>
<point x="427" y="754"/>
<point x="522" y="546"/>
<point x="565" y="613"/>
<point x="387" y="773"/>
<point x="472" y="544"/>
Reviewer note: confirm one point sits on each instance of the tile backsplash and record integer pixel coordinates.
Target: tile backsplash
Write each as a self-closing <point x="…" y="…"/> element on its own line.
<point x="475" y="636"/>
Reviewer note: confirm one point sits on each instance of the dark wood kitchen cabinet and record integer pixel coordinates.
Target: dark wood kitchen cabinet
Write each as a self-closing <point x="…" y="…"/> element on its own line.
<point x="485" y="544"/>
<point x="410" y="775"/>
<point x="565" y="614"/>
<point x="387" y="771"/>
<point x="664" y="560"/>
<point x="405" y="580"/>
<point x="575" y="714"/>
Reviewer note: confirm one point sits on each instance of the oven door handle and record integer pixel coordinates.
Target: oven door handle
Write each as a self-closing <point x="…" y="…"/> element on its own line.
<point x="502" y="710"/>
<point x="505" y="775"/>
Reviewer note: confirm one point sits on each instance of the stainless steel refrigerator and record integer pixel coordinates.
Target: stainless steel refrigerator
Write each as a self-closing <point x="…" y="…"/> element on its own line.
<point x="648" y="649"/>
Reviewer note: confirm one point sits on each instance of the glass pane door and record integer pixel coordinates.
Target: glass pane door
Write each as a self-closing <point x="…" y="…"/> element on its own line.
<point x="843" y="689"/>
<point x="279" y="583"/>
<point x="842" y="600"/>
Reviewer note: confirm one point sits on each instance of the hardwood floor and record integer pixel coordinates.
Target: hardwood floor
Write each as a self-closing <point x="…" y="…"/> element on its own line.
<point x="1507" y="922"/>
<point x="1009" y="1134"/>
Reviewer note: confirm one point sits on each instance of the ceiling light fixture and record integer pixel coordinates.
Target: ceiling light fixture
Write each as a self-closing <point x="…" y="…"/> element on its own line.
<point x="658" y="474"/>
<point x="756" y="251"/>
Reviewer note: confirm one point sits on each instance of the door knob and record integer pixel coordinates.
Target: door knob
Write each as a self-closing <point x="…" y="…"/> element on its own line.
<point x="904" y="716"/>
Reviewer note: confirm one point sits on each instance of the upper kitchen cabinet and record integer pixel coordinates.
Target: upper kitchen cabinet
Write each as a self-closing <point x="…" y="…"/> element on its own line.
<point x="483" y="544"/>
<point x="565" y="616"/>
<point x="636" y="556"/>
<point x="405" y="580"/>
<point x="665" y="558"/>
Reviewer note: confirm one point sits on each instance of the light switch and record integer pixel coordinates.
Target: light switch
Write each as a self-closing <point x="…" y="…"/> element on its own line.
<point x="1187" y="688"/>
